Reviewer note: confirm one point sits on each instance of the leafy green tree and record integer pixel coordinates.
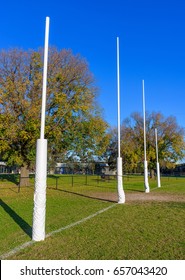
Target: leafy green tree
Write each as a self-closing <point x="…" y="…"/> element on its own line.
<point x="171" y="145"/>
<point x="73" y="119"/>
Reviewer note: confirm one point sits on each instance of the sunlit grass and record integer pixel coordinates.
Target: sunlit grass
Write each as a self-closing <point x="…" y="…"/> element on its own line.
<point x="147" y="230"/>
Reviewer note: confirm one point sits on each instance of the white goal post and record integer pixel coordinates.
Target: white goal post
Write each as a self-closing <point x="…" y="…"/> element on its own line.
<point x="38" y="232"/>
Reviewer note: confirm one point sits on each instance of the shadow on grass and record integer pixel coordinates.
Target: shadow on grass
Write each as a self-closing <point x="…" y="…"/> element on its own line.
<point x="87" y="196"/>
<point x="14" y="178"/>
<point x="17" y="219"/>
<point x="53" y="176"/>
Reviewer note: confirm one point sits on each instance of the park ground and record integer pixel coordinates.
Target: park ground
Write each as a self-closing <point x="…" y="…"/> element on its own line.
<point x="84" y="220"/>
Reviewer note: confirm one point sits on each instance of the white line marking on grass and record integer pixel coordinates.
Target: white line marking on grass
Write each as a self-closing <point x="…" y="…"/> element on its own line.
<point x="16" y="250"/>
<point x="29" y="243"/>
<point x="79" y="222"/>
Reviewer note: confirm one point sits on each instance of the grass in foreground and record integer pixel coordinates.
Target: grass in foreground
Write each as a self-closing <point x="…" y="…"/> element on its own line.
<point x="147" y="230"/>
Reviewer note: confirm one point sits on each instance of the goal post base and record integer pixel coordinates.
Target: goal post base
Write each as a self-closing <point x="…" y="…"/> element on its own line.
<point x="121" y="194"/>
<point x="39" y="211"/>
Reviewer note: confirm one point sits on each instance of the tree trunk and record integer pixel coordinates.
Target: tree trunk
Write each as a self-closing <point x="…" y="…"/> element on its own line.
<point x="24" y="178"/>
<point x="152" y="174"/>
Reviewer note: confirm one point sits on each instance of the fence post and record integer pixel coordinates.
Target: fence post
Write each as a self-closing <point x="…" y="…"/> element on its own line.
<point x="86" y="179"/>
<point x="56" y="183"/>
<point x="19" y="185"/>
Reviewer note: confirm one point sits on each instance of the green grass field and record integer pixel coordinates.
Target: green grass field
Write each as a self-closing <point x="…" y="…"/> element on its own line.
<point x="139" y="229"/>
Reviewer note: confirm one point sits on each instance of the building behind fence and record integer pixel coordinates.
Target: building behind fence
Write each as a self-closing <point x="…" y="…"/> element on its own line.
<point x="91" y="168"/>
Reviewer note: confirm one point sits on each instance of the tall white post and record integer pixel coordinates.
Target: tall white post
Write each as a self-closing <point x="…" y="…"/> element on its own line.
<point x="157" y="161"/>
<point x="39" y="212"/>
<point x="121" y="194"/>
<point x="146" y="184"/>
<point x="44" y="85"/>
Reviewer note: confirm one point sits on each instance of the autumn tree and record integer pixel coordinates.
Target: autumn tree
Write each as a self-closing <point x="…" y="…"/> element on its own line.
<point x="171" y="145"/>
<point x="73" y="118"/>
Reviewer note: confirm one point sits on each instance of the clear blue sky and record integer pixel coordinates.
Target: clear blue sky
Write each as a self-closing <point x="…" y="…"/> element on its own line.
<point x="152" y="46"/>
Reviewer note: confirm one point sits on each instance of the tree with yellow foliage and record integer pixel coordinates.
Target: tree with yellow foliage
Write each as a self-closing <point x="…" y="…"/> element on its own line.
<point x="73" y="119"/>
<point x="171" y="143"/>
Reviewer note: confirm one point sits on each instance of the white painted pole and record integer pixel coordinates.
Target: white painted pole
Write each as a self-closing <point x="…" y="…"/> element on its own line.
<point x="39" y="211"/>
<point x="44" y="86"/>
<point x="121" y="194"/>
<point x="146" y="184"/>
<point x="157" y="163"/>
<point x="118" y="93"/>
